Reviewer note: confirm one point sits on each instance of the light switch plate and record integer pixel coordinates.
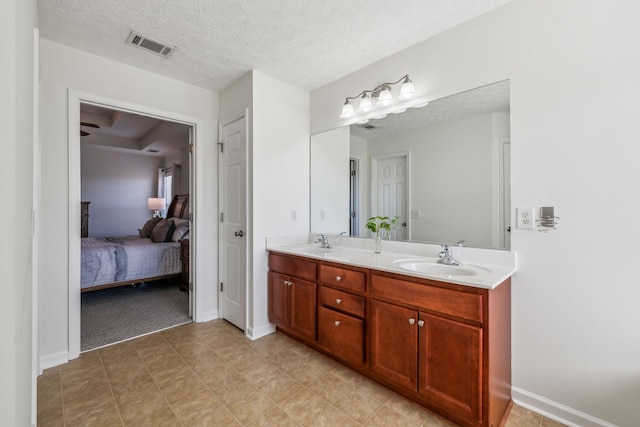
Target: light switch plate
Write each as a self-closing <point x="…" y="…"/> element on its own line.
<point x="524" y="218"/>
<point x="415" y="214"/>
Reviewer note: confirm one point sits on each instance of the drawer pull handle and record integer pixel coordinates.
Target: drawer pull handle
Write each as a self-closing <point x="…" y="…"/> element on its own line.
<point x="338" y="278"/>
<point x="337" y="322"/>
<point x="421" y="323"/>
<point x="412" y="321"/>
<point x="338" y="301"/>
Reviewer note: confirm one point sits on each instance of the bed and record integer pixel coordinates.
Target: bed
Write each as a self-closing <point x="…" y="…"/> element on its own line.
<point x="108" y="262"/>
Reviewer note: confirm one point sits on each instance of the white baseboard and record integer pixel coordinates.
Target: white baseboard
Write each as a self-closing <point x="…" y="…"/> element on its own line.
<point x="53" y="360"/>
<point x="554" y="410"/>
<point x="260" y="331"/>
<point x="208" y="315"/>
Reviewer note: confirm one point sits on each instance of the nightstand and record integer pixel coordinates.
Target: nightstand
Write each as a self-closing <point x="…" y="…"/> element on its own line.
<point x="184" y="257"/>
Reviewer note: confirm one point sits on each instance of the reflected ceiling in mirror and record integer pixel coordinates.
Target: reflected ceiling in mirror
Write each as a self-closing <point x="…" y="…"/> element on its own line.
<point x="443" y="169"/>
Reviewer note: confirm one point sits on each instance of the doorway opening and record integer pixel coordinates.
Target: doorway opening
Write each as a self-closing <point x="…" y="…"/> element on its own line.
<point x="390" y="193"/>
<point x="120" y="166"/>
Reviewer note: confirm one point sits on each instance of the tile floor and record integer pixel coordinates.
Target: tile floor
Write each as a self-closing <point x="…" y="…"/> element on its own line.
<point x="209" y="374"/>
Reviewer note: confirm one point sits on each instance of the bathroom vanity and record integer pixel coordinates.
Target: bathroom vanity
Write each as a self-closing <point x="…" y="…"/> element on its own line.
<point x="441" y="340"/>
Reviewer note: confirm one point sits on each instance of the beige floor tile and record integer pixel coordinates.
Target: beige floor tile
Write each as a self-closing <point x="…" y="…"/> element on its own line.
<point x="387" y="417"/>
<point x="358" y="405"/>
<point x="250" y="407"/>
<point x="303" y="406"/>
<point x="104" y="418"/>
<point x="232" y="389"/>
<point x="179" y="377"/>
<point x="331" y="417"/>
<point x="162" y="418"/>
<point x="178" y="383"/>
<point x="76" y="412"/>
<point x="52" y="417"/>
<point x="143" y="406"/>
<point x="195" y="407"/>
<point x="412" y="411"/>
<point x="274" y="417"/>
<point x="330" y="387"/>
<point x="548" y="422"/>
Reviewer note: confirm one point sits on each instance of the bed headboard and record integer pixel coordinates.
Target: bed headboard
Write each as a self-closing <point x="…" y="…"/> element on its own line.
<point x="179" y="207"/>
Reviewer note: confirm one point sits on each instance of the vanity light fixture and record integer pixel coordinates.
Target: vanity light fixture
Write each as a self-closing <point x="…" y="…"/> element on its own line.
<point x="381" y="94"/>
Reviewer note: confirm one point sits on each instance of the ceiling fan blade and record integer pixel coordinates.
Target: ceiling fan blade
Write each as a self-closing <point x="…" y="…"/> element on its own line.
<point x="91" y="125"/>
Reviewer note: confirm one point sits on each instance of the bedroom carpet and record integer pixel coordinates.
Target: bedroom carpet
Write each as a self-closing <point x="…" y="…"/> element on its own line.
<point x="112" y="315"/>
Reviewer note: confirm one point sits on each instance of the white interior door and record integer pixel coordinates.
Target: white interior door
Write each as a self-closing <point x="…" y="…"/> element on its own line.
<point x="233" y="217"/>
<point x="391" y="192"/>
<point x="506" y="195"/>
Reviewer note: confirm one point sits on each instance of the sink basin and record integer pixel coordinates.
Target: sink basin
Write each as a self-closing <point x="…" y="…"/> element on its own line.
<point x="428" y="267"/>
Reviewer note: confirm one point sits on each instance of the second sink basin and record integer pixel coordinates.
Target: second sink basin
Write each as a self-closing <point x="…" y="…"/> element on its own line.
<point x="429" y="267"/>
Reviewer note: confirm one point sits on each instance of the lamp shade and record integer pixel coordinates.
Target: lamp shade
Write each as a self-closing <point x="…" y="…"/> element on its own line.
<point x="156" y="204"/>
<point x="407" y="90"/>
<point x="347" y="110"/>
<point x="384" y="98"/>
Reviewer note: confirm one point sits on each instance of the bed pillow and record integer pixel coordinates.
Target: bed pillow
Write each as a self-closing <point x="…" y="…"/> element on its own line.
<point x="163" y="231"/>
<point x="180" y="221"/>
<point x="145" y="231"/>
<point x="180" y="232"/>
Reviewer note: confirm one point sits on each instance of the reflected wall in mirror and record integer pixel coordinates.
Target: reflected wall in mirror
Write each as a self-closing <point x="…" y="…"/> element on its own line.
<point x="444" y="169"/>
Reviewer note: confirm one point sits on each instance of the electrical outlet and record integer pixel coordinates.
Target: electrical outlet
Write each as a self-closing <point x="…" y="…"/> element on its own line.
<point x="294" y="215"/>
<point x="321" y="214"/>
<point x="524" y="218"/>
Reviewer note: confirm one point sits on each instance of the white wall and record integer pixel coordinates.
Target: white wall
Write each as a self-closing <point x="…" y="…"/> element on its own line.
<point x="18" y="18"/>
<point x="278" y="163"/>
<point x="574" y="67"/>
<point x="64" y="68"/>
<point x="330" y="181"/>
<point x="117" y="185"/>
<point x="280" y="155"/>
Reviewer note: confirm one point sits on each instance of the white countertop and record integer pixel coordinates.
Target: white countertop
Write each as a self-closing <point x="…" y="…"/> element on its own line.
<point x="485" y="270"/>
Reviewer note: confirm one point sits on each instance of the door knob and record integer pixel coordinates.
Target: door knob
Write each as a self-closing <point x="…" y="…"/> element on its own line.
<point x="338" y="278"/>
<point x="239" y="233"/>
<point x="338" y="301"/>
<point x="412" y="321"/>
<point x="421" y="323"/>
<point x="337" y="322"/>
<point x="404" y="224"/>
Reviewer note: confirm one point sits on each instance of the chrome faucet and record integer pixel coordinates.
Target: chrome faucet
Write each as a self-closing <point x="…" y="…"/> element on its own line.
<point x="446" y="257"/>
<point x="324" y="242"/>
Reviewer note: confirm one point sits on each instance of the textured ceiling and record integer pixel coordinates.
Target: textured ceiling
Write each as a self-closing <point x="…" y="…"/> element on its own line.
<point x="305" y="43"/>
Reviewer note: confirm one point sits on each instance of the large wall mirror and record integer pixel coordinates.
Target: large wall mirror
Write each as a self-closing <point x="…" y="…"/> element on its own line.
<point x="443" y="169"/>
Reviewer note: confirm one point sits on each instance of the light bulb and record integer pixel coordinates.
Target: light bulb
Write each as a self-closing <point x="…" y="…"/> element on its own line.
<point x="347" y="110"/>
<point x="384" y="97"/>
<point x="407" y="90"/>
<point x="365" y="103"/>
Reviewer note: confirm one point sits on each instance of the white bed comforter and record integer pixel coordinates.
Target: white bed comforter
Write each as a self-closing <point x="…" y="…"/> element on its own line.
<point x="120" y="259"/>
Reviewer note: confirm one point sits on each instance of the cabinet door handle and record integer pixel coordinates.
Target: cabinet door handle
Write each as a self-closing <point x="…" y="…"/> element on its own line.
<point x="337" y="322"/>
<point x="338" y="278"/>
<point x="338" y="300"/>
<point x="421" y="323"/>
<point x="288" y="283"/>
<point x="412" y="321"/>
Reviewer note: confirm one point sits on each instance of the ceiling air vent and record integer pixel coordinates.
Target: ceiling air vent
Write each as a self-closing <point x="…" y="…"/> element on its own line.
<point x="151" y="45"/>
<point x="368" y="126"/>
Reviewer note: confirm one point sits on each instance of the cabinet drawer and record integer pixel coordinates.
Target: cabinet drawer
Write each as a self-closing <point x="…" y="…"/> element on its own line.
<point x="342" y="301"/>
<point x="445" y="301"/>
<point x="293" y="266"/>
<point x="342" y="278"/>
<point x="342" y="335"/>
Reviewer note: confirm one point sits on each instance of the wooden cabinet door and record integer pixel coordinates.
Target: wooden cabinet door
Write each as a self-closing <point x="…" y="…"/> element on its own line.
<point x="303" y="308"/>
<point x="450" y="366"/>
<point x="394" y="343"/>
<point x="279" y="299"/>
<point x="341" y="335"/>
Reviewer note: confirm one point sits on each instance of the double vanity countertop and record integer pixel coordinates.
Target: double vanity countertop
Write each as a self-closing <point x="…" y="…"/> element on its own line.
<point x="481" y="268"/>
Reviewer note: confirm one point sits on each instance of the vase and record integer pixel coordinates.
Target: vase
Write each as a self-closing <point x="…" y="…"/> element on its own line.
<point x="378" y="243"/>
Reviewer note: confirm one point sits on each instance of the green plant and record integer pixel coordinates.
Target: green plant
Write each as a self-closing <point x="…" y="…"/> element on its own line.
<point x="381" y="223"/>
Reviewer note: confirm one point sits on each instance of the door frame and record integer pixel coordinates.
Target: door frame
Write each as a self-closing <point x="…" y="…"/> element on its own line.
<point x="249" y="231"/>
<point x="75" y="98"/>
<point x="374" y="186"/>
